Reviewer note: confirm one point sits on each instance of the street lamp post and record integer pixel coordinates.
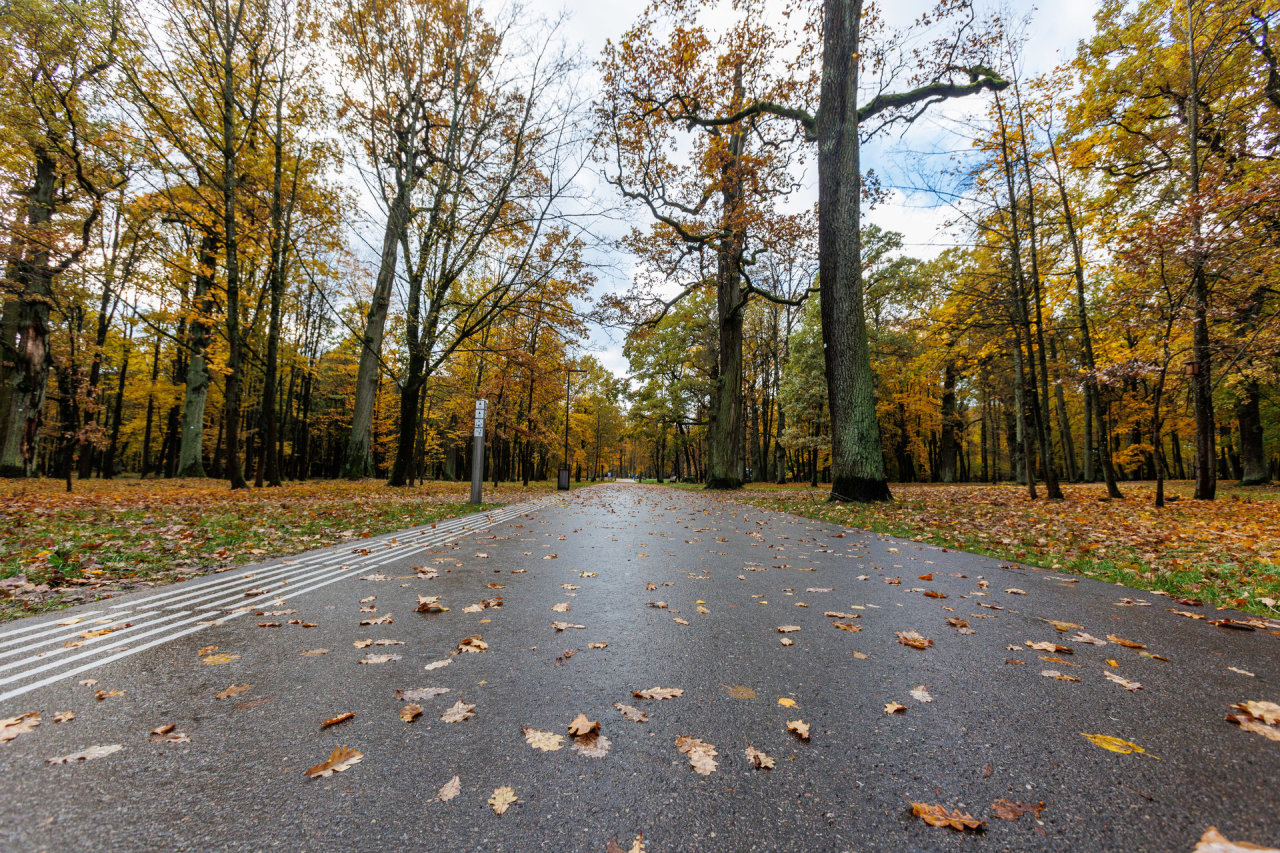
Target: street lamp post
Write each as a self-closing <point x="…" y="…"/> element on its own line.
<point x="562" y="483"/>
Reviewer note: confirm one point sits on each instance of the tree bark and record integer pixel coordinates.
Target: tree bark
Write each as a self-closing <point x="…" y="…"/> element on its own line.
<point x="357" y="461"/>
<point x="1253" y="461"/>
<point x="857" y="458"/>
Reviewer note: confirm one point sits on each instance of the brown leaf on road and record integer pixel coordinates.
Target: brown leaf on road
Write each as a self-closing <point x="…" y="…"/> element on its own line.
<point x="658" y="693"/>
<point x="592" y="746"/>
<point x="216" y="660"/>
<point x="502" y="798"/>
<point x="1261" y="718"/>
<point x="163" y="730"/>
<point x="1015" y="591"/>
<point x="1053" y="673"/>
<point x="449" y="790"/>
<point x="311" y="653"/>
<point x="937" y="815"/>
<point x="379" y="659"/>
<point x="561" y="626"/>
<point x="473" y="644"/>
<point x="1122" y="681"/>
<point x="420" y="694"/>
<point x="1128" y="644"/>
<point x="562" y="607"/>
<point x="660" y="605"/>
<point x="597" y="645"/>
<point x="759" y="759"/>
<point x="921" y="694"/>
<point x="787" y="641"/>
<point x="88" y="754"/>
<point x="384" y="619"/>
<point x="701" y="754"/>
<point x="64" y="716"/>
<point x="1082" y="637"/>
<point x="895" y="708"/>
<point x="914" y="639"/>
<point x="341" y="718"/>
<point x="675" y="619"/>
<point x="1006" y="810"/>
<point x="1268" y="712"/>
<point x="107" y="694"/>
<point x="581" y="726"/>
<point x="21" y="724"/>
<point x="233" y="690"/>
<point x="429" y="604"/>
<point x="846" y="626"/>
<point x="440" y="664"/>
<point x="545" y="741"/>
<point x="1215" y="842"/>
<point x="799" y="728"/>
<point x="458" y="712"/>
<point x="363" y="644"/>
<point x="410" y="712"/>
<point x="788" y="629"/>
<point x="340" y="759"/>
<point x="1049" y="647"/>
<point x="631" y="713"/>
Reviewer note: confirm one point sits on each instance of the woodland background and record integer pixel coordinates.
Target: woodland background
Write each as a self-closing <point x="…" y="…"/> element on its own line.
<point x="194" y="285"/>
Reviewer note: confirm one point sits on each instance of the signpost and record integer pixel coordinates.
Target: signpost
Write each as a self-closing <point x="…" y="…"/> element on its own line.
<point x="477" y="452"/>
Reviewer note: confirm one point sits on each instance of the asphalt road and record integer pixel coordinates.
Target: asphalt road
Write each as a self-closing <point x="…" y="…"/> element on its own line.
<point x="993" y="729"/>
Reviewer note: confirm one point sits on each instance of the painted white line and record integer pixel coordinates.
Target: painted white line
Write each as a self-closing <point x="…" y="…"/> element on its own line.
<point x="26" y="628"/>
<point x="313" y="578"/>
<point x="63" y="633"/>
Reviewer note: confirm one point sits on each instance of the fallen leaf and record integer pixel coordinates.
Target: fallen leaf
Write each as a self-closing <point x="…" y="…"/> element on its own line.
<point x="1241" y="671"/>
<point x="88" y="754"/>
<point x="420" y="694"/>
<point x="701" y="754"/>
<point x="914" y="640"/>
<point x="1006" y="810"/>
<point x="378" y="659"/>
<point x="592" y="746"/>
<point x="1128" y="644"/>
<point x="1015" y="591"/>
<point x="1053" y="673"/>
<point x="1268" y="712"/>
<point x="894" y="708"/>
<point x="503" y="797"/>
<point x="472" y="644"/>
<point x="215" y="660"/>
<point x="1064" y="627"/>
<point x="1082" y="637"/>
<point x="788" y="629"/>
<point x="311" y="653"/>
<point x="438" y="664"/>
<point x="921" y="694"/>
<point x="1114" y="744"/>
<point x="384" y="619"/>
<point x="658" y="693"/>
<point x="1215" y="842"/>
<point x="233" y="690"/>
<point x="449" y="790"/>
<point x="107" y="694"/>
<point x="631" y="713"/>
<point x="1049" y="647"/>
<point x="581" y="726"/>
<point x="341" y="718"/>
<point x="64" y="716"/>
<point x="560" y="626"/>
<point x="597" y="645"/>
<point x="458" y="712"/>
<point x="759" y="759"/>
<point x="21" y="724"/>
<point x="545" y="741"/>
<point x="675" y="619"/>
<point x="1123" y="682"/>
<point x="799" y="728"/>
<point x="787" y="641"/>
<point x="937" y="815"/>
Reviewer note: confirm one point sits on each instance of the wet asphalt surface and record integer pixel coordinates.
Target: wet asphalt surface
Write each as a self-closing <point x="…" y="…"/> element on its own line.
<point x="993" y="730"/>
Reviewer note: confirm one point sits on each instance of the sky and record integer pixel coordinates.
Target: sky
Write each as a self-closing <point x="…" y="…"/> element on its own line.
<point x="903" y="160"/>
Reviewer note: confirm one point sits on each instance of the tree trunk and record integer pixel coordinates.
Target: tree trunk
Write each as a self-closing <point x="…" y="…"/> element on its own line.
<point x="857" y="459"/>
<point x="1253" y="460"/>
<point x="947" y="447"/>
<point x="24" y="335"/>
<point x="191" y="454"/>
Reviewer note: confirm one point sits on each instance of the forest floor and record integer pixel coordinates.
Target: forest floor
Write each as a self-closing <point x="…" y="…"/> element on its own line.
<point x="59" y="548"/>
<point x="1225" y="552"/>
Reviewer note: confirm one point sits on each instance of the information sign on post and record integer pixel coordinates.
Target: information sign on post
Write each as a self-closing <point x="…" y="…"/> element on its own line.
<point x="477" y="453"/>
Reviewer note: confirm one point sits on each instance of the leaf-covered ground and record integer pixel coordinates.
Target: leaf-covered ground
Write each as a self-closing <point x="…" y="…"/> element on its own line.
<point x="1224" y="552"/>
<point x="59" y="549"/>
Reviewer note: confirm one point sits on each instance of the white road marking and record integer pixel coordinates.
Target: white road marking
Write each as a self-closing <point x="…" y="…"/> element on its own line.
<point x="289" y="578"/>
